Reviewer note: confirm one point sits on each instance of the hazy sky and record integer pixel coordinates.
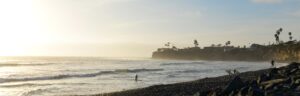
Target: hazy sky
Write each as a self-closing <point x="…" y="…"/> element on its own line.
<point x="135" y="28"/>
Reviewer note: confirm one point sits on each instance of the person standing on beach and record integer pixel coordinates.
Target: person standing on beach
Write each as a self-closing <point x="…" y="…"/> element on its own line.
<point x="136" y="77"/>
<point x="273" y="63"/>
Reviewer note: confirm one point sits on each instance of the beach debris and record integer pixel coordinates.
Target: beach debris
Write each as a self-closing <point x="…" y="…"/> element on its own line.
<point x="263" y="78"/>
<point x="232" y="72"/>
<point x="235" y="71"/>
<point x="234" y="84"/>
<point x="229" y="72"/>
<point x="197" y="94"/>
<point x="283" y="81"/>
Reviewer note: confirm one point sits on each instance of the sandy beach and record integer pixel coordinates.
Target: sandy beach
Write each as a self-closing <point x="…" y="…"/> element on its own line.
<point x="218" y="85"/>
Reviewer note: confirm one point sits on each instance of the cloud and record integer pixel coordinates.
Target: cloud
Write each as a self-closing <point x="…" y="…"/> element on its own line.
<point x="267" y="1"/>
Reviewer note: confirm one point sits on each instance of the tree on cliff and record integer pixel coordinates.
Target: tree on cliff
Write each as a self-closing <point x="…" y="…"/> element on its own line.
<point x="196" y="43"/>
<point x="227" y="43"/>
<point x="291" y="37"/>
<point x="276" y="38"/>
<point x="277" y="35"/>
<point x="279" y="31"/>
<point x="174" y="47"/>
<point x="213" y="45"/>
<point x="168" y="44"/>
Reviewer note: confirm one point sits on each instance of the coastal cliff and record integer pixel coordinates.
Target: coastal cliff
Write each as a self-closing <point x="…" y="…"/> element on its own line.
<point x="287" y="51"/>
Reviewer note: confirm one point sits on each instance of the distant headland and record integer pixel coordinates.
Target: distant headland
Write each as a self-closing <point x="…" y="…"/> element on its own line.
<point x="279" y="51"/>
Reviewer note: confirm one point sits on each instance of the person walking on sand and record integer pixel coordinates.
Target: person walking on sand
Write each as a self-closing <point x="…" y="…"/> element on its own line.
<point x="273" y="63"/>
<point x="136" y="77"/>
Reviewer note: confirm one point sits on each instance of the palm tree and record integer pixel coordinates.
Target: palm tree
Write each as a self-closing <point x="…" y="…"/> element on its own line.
<point x="168" y="44"/>
<point x="291" y="37"/>
<point x="277" y="35"/>
<point x="279" y="31"/>
<point x="276" y="38"/>
<point x="196" y="43"/>
<point x="227" y="43"/>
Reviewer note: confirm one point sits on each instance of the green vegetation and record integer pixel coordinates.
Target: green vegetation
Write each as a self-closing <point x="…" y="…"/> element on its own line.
<point x="280" y="51"/>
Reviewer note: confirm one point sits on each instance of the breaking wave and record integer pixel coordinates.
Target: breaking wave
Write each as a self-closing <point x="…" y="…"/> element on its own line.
<point x="64" y="76"/>
<point x="16" y="64"/>
<point x="25" y="84"/>
<point x="195" y="71"/>
<point x="137" y="70"/>
<point x="182" y="63"/>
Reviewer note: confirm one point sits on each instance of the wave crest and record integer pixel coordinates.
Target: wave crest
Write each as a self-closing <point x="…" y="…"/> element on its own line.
<point x="64" y="76"/>
<point x="183" y="63"/>
<point x="16" y="64"/>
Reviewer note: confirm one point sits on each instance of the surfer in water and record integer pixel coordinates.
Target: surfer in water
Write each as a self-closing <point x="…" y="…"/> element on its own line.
<point x="136" y="77"/>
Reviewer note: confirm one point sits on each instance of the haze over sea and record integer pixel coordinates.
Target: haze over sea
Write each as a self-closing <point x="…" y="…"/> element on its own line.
<point x="36" y="76"/>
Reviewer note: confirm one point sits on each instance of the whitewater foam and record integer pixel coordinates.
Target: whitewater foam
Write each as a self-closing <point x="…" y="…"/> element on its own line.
<point x="182" y="63"/>
<point x="65" y="76"/>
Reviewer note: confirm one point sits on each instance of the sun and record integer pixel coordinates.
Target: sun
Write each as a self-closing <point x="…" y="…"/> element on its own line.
<point x="19" y="30"/>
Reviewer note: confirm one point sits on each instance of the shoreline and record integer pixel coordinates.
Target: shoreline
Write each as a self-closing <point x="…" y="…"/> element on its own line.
<point x="188" y="88"/>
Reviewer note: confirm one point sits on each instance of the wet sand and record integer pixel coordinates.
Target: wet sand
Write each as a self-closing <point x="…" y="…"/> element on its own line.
<point x="201" y="86"/>
<point x="283" y="81"/>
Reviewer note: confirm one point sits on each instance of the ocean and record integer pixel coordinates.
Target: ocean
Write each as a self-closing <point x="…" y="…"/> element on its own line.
<point x="52" y="76"/>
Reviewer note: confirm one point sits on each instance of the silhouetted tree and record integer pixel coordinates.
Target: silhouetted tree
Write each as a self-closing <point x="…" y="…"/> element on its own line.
<point x="174" y="47"/>
<point x="276" y="38"/>
<point x="196" y="43"/>
<point x="213" y="45"/>
<point x="278" y="34"/>
<point x="168" y="44"/>
<point x="279" y="31"/>
<point x="291" y="37"/>
<point x="227" y="43"/>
